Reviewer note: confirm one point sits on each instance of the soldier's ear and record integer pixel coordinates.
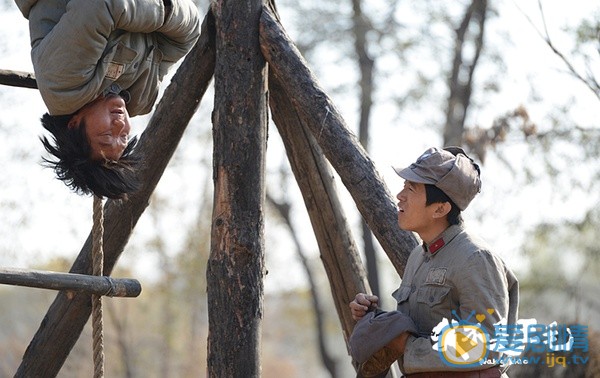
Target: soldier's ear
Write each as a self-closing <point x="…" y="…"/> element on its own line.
<point x="441" y="209"/>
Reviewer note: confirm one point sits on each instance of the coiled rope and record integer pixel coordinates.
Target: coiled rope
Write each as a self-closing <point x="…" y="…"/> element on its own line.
<point x="98" y="270"/>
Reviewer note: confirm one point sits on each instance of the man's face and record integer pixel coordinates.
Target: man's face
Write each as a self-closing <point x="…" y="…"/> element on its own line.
<point x="107" y="127"/>
<point x="413" y="215"/>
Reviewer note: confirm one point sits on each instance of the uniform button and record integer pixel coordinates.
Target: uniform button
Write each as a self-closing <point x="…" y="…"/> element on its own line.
<point x="431" y="298"/>
<point x="135" y="65"/>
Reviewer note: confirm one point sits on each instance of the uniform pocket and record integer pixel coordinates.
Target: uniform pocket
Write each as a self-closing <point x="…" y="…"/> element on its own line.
<point x="120" y="53"/>
<point x="432" y="295"/>
<point x="115" y="62"/>
<point x="401" y="294"/>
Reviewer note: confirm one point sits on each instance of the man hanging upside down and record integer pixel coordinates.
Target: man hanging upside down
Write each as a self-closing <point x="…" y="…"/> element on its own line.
<point x="98" y="62"/>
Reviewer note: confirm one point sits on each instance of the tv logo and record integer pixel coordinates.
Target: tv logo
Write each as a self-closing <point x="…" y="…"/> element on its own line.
<point x="463" y="344"/>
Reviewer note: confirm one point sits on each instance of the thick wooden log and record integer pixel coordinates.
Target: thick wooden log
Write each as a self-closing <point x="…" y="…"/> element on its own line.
<point x="83" y="283"/>
<point x="18" y="79"/>
<point x="339" y="144"/>
<point x="67" y="315"/>
<point x="236" y="265"/>
<point x="339" y="253"/>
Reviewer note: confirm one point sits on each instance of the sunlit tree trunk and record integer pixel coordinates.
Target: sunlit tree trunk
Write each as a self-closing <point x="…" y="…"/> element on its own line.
<point x="314" y="177"/>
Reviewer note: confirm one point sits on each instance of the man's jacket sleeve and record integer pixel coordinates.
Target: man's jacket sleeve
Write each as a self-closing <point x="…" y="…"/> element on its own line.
<point x="179" y="32"/>
<point x="69" y="38"/>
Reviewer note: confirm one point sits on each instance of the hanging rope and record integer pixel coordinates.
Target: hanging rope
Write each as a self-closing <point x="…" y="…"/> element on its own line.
<point x="98" y="270"/>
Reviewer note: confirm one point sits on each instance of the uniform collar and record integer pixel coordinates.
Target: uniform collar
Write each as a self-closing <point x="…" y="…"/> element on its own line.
<point x="444" y="238"/>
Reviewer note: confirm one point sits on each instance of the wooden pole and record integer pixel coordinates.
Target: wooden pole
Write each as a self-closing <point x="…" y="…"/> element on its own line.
<point x="18" y="79"/>
<point x="236" y="265"/>
<point x="339" y="144"/>
<point x="105" y="285"/>
<point x="339" y="253"/>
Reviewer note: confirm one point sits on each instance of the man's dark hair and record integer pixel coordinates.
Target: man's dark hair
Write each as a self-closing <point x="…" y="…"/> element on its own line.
<point x="433" y="194"/>
<point x="78" y="171"/>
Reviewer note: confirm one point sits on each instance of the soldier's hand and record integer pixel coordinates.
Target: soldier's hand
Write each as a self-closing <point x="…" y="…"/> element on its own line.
<point x="361" y="304"/>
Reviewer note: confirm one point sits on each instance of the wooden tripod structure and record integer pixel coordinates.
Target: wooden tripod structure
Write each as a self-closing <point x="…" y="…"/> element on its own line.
<point x="311" y="128"/>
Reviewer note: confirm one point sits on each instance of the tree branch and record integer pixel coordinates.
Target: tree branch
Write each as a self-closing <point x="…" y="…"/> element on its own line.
<point x="590" y="82"/>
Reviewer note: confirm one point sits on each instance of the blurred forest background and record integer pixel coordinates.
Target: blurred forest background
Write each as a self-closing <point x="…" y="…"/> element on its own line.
<point x="515" y="83"/>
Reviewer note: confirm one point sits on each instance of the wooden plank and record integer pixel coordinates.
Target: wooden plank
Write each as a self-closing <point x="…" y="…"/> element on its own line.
<point x="100" y="285"/>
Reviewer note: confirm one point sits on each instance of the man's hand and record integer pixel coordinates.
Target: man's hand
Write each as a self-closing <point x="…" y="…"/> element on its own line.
<point x="361" y="304"/>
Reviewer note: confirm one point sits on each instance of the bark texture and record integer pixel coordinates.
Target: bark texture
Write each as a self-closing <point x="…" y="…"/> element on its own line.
<point x="235" y="268"/>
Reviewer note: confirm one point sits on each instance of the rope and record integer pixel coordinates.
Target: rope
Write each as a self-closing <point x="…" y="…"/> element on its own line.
<point x="98" y="270"/>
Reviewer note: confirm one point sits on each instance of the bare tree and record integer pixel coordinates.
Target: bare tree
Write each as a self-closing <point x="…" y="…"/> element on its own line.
<point x="586" y="33"/>
<point x="192" y="260"/>
<point x="283" y="210"/>
<point x="467" y="49"/>
<point x="119" y="320"/>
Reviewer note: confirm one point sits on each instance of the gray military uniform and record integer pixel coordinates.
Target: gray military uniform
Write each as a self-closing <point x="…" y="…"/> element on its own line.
<point x="456" y="272"/>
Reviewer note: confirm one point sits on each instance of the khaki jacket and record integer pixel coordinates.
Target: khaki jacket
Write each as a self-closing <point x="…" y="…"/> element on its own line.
<point x="81" y="47"/>
<point x="456" y="276"/>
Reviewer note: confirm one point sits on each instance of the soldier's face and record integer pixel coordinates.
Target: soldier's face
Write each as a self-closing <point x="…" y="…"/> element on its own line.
<point x="413" y="215"/>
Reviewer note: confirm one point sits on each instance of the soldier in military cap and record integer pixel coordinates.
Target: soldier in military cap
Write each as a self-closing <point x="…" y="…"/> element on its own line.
<point x="451" y="275"/>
